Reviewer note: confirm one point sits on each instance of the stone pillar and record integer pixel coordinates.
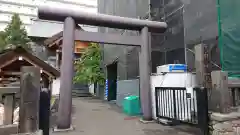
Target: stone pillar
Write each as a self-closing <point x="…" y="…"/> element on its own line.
<point x="202" y="65"/>
<point x="144" y="71"/>
<point x="29" y="102"/>
<point x="220" y="95"/>
<point x="8" y="109"/>
<point x="65" y="103"/>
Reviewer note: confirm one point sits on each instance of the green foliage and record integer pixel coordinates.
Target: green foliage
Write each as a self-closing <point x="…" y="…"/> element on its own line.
<point x="14" y="34"/>
<point x="2" y="40"/>
<point x="88" y="66"/>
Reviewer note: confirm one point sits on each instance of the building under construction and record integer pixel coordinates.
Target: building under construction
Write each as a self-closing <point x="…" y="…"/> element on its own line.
<point x="189" y="23"/>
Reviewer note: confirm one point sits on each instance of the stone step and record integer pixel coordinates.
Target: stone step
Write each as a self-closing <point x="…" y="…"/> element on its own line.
<point x="81" y="93"/>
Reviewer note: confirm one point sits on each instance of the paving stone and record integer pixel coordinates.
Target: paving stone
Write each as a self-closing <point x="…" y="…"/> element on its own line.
<point x="223" y="127"/>
<point x="109" y="120"/>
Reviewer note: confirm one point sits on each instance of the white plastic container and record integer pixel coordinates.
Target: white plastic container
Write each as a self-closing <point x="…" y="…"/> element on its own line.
<point x="171" y="68"/>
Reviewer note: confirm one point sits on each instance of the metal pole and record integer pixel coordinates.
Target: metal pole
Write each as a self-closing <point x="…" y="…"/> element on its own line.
<point x="144" y="68"/>
<point x="65" y="103"/>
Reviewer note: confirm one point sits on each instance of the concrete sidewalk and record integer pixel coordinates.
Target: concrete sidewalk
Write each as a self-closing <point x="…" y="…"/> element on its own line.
<point x="94" y="117"/>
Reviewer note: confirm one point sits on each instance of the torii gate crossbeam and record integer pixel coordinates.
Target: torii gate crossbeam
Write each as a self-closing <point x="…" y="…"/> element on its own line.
<point x="71" y="18"/>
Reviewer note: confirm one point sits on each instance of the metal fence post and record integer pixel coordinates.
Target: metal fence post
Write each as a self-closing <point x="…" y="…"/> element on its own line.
<point x="156" y="102"/>
<point x="202" y="110"/>
<point x="174" y="105"/>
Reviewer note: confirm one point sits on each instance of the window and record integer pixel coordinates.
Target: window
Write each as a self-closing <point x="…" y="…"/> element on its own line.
<point x="79" y="50"/>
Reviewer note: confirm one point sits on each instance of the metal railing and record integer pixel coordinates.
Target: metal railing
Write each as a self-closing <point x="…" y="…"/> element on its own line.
<point x="235" y="96"/>
<point x="181" y="105"/>
<point x="177" y="104"/>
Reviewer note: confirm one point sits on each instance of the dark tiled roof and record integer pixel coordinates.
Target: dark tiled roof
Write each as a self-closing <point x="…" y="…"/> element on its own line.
<point x="9" y="54"/>
<point x="56" y="37"/>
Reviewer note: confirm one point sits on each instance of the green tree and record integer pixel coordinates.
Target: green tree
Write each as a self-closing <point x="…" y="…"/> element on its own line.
<point x="88" y="68"/>
<point x="2" y="40"/>
<point x="14" y="34"/>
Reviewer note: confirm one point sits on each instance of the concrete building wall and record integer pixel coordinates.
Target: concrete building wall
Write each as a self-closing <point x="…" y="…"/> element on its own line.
<point x="126" y="88"/>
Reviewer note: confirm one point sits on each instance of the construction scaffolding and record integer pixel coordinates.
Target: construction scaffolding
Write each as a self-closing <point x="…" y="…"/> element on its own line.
<point x="166" y="48"/>
<point x="200" y="27"/>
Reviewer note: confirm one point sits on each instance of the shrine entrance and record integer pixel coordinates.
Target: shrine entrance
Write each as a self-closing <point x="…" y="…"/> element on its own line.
<point x="70" y="34"/>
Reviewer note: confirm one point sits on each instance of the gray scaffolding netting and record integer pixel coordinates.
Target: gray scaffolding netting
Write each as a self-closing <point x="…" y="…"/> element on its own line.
<point x="200" y="26"/>
<point x="190" y="22"/>
<point x="170" y="45"/>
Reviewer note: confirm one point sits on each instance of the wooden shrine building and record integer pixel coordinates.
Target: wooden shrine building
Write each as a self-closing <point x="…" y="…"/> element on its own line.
<point x="54" y="46"/>
<point x="11" y="61"/>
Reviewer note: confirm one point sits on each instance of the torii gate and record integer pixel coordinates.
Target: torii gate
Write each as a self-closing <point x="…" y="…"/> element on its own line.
<point x="70" y="34"/>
